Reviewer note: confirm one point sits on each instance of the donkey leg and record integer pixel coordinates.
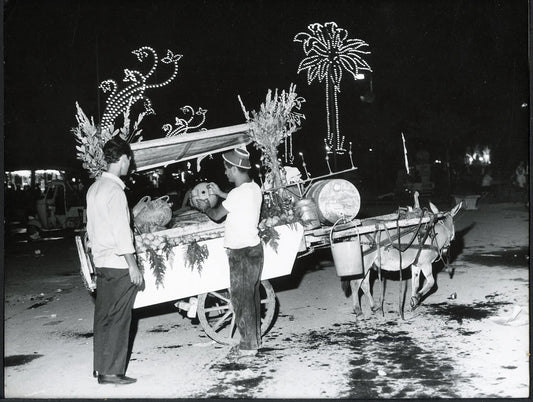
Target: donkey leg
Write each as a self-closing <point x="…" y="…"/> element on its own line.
<point x="379" y="307"/>
<point x="365" y="287"/>
<point x="427" y="270"/>
<point x="415" y="280"/>
<point x="355" y="284"/>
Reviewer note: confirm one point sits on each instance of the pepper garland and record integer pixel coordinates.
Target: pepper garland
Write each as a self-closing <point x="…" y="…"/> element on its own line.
<point x="196" y="256"/>
<point x="157" y="252"/>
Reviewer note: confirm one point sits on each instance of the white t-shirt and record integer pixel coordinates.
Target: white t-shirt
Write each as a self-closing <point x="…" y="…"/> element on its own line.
<point x="243" y="204"/>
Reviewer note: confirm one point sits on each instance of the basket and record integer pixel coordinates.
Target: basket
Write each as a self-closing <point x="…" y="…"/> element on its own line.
<point x="347" y="255"/>
<point x="154" y="216"/>
<point x="143" y="202"/>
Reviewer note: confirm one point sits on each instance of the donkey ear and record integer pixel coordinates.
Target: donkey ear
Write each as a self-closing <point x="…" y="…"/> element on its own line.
<point x="456" y="209"/>
<point x="433" y="208"/>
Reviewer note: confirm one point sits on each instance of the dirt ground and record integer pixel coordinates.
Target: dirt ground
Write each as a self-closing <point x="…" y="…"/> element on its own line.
<point x="468" y="339"/>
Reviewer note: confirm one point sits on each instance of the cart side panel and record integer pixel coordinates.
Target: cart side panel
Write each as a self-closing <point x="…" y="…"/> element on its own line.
<point x="181" y="282"/>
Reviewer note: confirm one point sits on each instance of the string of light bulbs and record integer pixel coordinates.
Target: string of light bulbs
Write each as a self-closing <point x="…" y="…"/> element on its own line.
<point x="117" y="101"/>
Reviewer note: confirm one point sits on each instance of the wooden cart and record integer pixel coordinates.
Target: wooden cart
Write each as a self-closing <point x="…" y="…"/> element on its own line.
<point x="210" y="283"/>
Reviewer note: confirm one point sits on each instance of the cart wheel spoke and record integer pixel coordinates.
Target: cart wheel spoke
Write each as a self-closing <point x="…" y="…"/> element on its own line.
<point x="216" y="308"/>
<point x="220" y="296"/>
<point x="232" y="326"/>
<point x="221" y="321"/>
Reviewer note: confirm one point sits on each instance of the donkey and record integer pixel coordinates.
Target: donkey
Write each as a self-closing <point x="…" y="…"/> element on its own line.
<point x="419" y="256"/>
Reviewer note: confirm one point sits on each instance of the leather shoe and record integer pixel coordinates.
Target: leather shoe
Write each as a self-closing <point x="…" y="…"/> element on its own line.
<point x="115" y="379"/>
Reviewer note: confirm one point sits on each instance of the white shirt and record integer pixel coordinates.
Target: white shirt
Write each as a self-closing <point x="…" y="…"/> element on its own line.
<point x="108" y="222"/>
<point x="243" y="204"/>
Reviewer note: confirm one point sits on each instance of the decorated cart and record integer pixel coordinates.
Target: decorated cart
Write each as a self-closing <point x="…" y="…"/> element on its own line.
<point x="182" y="257"/>
<point x="187" y="262"/>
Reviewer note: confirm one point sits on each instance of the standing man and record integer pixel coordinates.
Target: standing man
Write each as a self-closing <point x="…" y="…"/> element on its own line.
<point x="242" y="207"/>
<point x="117" y="273"/>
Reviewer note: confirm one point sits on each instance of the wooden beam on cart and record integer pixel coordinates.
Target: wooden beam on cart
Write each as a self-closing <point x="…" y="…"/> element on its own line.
<point x="165" y="151"/>
<point x="365" y="226"/>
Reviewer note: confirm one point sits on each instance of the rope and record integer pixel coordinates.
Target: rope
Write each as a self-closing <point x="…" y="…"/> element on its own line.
<point x="439" y="250"/>
<point x="421" y="245"/>
<point x="391" y="243"/>
<point x="381" y="281"/>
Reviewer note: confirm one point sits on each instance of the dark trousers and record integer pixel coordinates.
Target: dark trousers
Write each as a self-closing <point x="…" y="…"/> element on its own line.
<point x="115" y="295"/>
<point x="246" y="265"/>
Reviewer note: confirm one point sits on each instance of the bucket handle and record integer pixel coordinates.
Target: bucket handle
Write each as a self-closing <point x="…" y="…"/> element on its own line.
<point x="333" y="228"/>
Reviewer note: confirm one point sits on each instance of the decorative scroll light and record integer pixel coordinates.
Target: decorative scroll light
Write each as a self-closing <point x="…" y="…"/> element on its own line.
<point x="184" y="125"/>
<point x="90" y="138"/>
<point x="117" y="100"/>
<point x="329" y="52"/>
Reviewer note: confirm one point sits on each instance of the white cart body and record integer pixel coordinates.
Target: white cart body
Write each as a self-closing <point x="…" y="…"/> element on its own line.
<point x="181" y="282"/>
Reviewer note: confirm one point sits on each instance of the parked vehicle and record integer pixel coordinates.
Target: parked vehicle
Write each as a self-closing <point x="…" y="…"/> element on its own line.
<point x="61" y="207"/>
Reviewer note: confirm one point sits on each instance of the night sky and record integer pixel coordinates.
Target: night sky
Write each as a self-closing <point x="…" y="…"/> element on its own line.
<point x="451" y="72"/>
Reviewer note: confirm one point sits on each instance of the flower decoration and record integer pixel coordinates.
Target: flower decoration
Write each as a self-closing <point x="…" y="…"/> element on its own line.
<point x="274" y="123"/>
<point x="184" y="125"/>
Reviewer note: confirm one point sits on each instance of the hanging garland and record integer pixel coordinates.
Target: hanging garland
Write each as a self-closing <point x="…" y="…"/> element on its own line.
<point x="155" y="252"/>
<point x="196" y="255"/>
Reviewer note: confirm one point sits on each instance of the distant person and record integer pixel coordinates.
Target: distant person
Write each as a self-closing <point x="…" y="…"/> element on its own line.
<point x="117" y="275"/>
<point x="520" y="175"/>
<point x="486" y="183"/>
<point x="241" y="207"/>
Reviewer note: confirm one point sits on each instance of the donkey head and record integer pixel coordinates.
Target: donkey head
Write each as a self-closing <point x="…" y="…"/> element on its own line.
<point x="447" y="222"/>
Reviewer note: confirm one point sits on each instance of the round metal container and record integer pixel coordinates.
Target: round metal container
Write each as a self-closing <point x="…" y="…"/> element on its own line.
<point x="335" y="199"/>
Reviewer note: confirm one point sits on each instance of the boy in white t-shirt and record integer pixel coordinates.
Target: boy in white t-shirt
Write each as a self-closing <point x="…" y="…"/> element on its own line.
<point x="242" y="207"/>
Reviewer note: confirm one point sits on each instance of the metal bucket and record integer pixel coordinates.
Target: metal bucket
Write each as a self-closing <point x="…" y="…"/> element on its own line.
<point x="347" y="255"/>
<point x="308" y="212"/>
<point x="335" y="199"/>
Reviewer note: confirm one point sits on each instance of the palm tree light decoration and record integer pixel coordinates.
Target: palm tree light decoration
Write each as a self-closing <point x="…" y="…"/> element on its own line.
<point x="329" y="52"/>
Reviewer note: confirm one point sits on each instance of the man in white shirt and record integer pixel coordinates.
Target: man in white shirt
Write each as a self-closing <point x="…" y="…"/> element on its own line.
<point x="117" y="274"/>
<point x="242" y="208"/>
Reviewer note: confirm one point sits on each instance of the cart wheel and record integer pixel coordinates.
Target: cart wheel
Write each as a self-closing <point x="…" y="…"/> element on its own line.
<point x="215" y="313"/>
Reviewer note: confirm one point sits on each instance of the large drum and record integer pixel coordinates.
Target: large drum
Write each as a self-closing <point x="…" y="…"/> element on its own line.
<point x="335" y="199"/>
